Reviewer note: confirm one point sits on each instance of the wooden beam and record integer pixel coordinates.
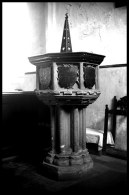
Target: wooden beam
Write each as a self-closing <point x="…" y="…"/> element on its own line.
<point x="113" y="66"/>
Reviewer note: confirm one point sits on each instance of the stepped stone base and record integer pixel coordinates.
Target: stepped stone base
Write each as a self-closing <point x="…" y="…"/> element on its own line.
<point x="67" y="172"/>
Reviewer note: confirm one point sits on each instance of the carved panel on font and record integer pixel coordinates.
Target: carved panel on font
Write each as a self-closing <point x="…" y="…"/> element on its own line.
<point x="89" y="76"/>
<point x="44" y="77"/>
<point x="67" y="75"/>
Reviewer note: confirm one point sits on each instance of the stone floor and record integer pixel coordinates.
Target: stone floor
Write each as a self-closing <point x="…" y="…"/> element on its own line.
<point x="109" y="175"/>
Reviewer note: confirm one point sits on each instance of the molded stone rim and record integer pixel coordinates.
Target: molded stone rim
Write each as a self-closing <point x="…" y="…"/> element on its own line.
<point x="67" y="57"/>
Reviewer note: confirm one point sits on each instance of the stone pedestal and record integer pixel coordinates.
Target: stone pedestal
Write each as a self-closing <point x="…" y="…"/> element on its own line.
<point x="69" y="157"/>
<point x="68" y="83"/>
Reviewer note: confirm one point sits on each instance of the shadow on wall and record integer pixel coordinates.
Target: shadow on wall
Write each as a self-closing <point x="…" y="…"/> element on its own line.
<point x="99" y="118"/>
